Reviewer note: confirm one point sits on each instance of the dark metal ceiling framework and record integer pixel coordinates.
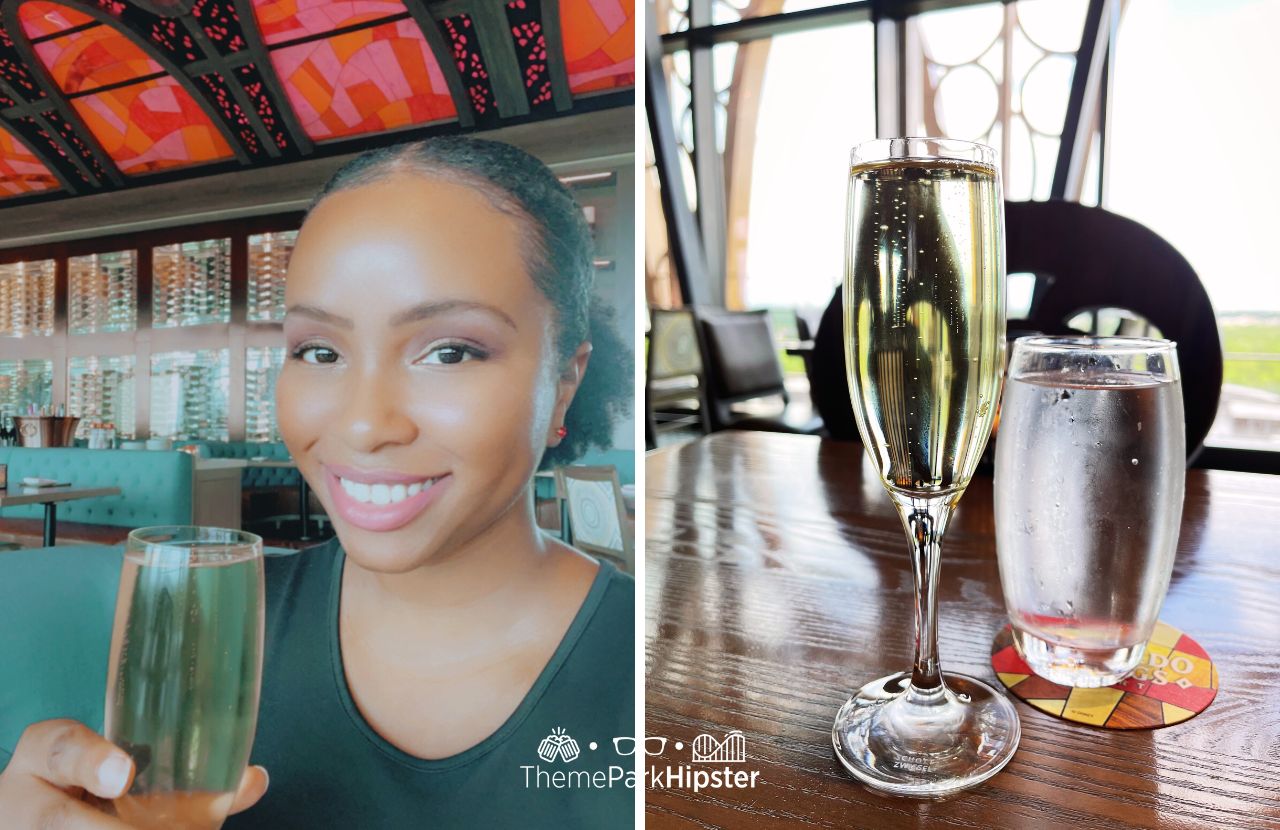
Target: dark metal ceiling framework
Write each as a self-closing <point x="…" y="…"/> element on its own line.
<point x="503" y="62"/>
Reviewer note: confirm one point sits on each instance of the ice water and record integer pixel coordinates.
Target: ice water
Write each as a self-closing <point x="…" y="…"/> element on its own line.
<point x="1089" y="487"/>
<point x="183" y="682"/>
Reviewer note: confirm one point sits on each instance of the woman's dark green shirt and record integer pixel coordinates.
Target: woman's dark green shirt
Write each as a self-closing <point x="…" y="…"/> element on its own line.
<point x="330" y="769"/>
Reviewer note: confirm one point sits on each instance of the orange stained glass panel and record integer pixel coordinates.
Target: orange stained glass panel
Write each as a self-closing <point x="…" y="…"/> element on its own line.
<point x="282" y="20"/>
<point x="20" y="171"/>
<point x="368" y="81"/>
<point x="94" y="57"/>
<point x="599" y="43"/>
<point x="151" y="126"/>
<point x="40" y="18"/>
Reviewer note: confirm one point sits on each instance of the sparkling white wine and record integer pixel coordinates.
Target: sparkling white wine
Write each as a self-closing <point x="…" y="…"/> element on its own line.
<point x="183" y="682"/>
<point x="924" y="317"/>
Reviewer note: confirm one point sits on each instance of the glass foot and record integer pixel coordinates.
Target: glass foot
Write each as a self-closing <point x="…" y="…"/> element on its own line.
<point x="925" y="744"/>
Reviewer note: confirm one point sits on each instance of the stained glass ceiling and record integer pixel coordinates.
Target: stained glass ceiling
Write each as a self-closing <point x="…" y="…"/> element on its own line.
<point x="143" y="118"/>
<point x="101" y="94"/>
<point x="599" y="38"/>
<point x="20" y="171"/>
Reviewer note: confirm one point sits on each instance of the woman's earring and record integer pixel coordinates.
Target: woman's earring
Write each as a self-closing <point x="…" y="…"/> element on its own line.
<point x="561" y="432"/>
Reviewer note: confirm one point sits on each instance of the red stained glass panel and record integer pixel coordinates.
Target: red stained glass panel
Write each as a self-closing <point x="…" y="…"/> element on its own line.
<point x="92" y="58"/>
<point x="150" y="126"/>
<point x="20" y="171"/>
<point x="367" y="81"/>
<point x="284" y="20"/>
<point x="40" y="18"/>
<point x="599" y="43"/>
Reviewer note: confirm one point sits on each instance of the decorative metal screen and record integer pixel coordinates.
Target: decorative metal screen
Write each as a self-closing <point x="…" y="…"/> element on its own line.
<point x="103" y="292"/>
<point x="262" y="366"/>
<point x="102" y="389"/>
<point x="268" y="258"/>
<point x="26" y="298"/>
<point x="25" y="382"/>
<point x="192" y="283"/>
<point x="1000" y="74"/>
<point x="189" y="392"/>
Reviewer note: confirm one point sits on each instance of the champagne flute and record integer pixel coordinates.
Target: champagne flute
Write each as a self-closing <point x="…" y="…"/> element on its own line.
<point x="185" y="672"/>
<point x="924" y="348"/>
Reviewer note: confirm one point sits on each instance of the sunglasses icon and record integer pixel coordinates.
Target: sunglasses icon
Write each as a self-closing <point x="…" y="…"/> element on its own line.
<point x="652" y="746"/>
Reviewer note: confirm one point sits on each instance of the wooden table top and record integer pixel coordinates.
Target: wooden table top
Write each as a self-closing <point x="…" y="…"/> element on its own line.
<point x="778" y="581"/>
<point x="18" y="494"/>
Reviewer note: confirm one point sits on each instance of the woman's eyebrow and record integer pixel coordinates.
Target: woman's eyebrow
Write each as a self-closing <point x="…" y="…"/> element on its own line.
<point x="421" y="311"/>
<point x="318" y="314"/>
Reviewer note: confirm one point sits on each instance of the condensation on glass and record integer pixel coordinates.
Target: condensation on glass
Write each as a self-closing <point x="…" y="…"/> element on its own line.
<point x="101" y="389"/>
<point x="25" y="382"/>
<point x="262" y="365"/>
<point x="268" y="259"/>
<point x="26" y="298"/>
<point x="103" y="292"/>
<point x="189" y="394"/>
<point x="191" y="283"/>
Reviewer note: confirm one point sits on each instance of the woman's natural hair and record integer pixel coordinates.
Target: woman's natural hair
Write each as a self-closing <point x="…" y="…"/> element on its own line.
<point x="557" y="248"/>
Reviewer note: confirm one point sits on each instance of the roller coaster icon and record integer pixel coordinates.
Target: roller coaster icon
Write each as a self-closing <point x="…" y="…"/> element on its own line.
<point x="732" y="750"/>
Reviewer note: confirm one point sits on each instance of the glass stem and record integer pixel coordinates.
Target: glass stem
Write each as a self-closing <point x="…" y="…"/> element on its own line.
<point x="925" y="520"/>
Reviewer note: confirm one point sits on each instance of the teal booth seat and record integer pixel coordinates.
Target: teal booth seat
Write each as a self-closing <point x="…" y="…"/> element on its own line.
<point x="56" y="606"/>
<point x="155" y="486"/>
<point x="56" y="609"/>
<point x="252" y="476"/>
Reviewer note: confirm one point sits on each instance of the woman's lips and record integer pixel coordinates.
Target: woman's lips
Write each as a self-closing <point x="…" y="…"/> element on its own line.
<point x="381" y="517"/>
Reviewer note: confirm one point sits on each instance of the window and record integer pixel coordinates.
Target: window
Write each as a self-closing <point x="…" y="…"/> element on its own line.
<point x="262" y="367"/>
<point x="1197" y="173"/>
<point x="785" y="229"/>
<point x="268" y="259"/>
<point x="192" y="283"/>
<point x="26" y="298"/>
<point x="101" y="389"/>
<point x="999" y="74"/>
<point x="24" y="383"/>
<point x="189" y="391"/>
<point x="103" y="292"/>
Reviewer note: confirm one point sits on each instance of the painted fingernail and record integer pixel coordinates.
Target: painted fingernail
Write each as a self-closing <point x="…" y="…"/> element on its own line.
<point x="113" y="775"/>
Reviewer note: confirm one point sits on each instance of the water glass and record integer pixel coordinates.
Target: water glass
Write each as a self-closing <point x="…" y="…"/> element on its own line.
<point x="1090" y="469"/>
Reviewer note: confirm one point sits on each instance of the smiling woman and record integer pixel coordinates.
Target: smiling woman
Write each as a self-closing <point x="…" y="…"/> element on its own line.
<point x="441" y="661"/>
<point x="424" y="384"/>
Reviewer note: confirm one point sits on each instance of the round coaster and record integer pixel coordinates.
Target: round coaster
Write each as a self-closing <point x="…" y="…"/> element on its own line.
<point x="1176" y="681"/>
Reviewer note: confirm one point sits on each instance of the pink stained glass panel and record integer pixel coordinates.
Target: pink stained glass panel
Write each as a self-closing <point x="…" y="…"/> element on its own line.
<point x="20" y="171"/>
<point x="95" y="57"/>
<point x="284" y="20"/>
<point x="40" y="18"/>
<point x="599" y="43"/>
<point x="151" y="125"/>
<point x="367" y="81"/>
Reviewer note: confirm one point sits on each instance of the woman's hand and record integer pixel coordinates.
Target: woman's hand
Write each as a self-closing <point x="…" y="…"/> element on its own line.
<point x="61" y="768"/>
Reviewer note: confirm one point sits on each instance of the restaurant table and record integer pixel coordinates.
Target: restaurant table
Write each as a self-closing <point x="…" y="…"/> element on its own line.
<point x="16" y="494"/>
<point x="778" y="581"/>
